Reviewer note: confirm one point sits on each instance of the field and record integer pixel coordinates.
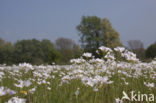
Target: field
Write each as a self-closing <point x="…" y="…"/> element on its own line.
<point x="87" y="80"/>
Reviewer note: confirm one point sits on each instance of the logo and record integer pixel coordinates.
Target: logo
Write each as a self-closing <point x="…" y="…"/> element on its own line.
<point x="138" y="96"/>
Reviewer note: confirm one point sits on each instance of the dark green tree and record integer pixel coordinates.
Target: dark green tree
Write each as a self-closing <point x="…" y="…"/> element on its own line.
<point x="95" y="32"/>
<point x="6" y="53"/>
<point x="151" y="51"/>
<point x="35" y="52"/>
<point x="49" y="53"/>
<point x="28" y="51"/>
<point x="77" y="51"/>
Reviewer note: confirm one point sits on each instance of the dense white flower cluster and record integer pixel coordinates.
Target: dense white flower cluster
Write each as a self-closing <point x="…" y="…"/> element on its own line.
<point x="97" y="60"/>
<point x="130" y="56"/>
<point x="26" y="65"/>
<point x="77" y="61"/>
<point x="93" y="73"/>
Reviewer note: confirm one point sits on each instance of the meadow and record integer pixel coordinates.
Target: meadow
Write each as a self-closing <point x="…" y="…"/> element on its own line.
<point x="86" y="80"/>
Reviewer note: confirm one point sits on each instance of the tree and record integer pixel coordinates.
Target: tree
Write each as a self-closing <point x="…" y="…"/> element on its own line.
<point x="151" y="51"/>
<point x="77" y="51"/>
<point x="2" y="42"/>
<point x="137" y="47"/>
<point x="49" y="53"/>
<point x="6" y="53"/>
<point x="95" y="32"/>
<point x="35" y="52"/>
<point x="68" y="49"/>
<point x="28" y="51"/>
<point x="135" y="44"/>
<point x="64" y="43"/>
<point x="111" y="36"/>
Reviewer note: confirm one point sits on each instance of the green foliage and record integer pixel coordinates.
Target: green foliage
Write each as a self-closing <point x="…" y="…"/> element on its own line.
<point x="77" y="51"/>
<point x="2" y="42"/>
<point x="151" y="51"/>
<point x="96" y="32"/>
<point x="38" y="52"/>
<point x="68" y="50"/>
<point x="35" y="52"/>
<point x="49" y="53"/>
<point x="6" y="53"/>
<point x="28" y="51"/>
<point x="111" y="36"/>
<point x="140" y="53"/>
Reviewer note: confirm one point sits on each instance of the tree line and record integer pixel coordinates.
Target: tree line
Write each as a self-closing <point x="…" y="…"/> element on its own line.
<point x="38" y="52"/>
<point x="93" y="31"/>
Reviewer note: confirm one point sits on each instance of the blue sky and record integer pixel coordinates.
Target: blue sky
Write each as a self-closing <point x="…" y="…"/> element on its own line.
<point x="50" y="19"/>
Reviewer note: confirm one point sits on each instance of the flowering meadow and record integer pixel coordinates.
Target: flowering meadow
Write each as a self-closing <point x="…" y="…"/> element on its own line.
<point x="86" y="80"/>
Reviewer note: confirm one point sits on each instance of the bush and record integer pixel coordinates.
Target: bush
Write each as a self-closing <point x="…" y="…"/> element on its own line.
<point x="151" y="51"/>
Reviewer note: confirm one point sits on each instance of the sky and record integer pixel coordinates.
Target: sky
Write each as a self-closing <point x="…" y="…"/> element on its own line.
<point x="51" y="19"/>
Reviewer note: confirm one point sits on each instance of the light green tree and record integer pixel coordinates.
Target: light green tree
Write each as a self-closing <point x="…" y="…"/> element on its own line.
<point x="111" y="36"/>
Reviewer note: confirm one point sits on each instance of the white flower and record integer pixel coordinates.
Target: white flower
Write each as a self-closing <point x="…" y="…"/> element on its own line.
<point x="77" y="61"/>
<point x="106" y="49"/>
<point x="10" y="92"/>
<point x="26" y="65"/>
<point x="17" y="100"/>
<point x="117" y="100"/>
<point x="48" y="88"/>
<point x="53" y="63"/>
<point x="151" y="85"/>
<point x="129" y="56"/>
<point x="90" y="83"/>
<point x="109" y="56"/>
<point x="88" y="55"/>
<point x="96" y="89"/>
<point x="2" y="91"/>
<point x="119" y="49"/>
<point x="77" y="92"/>
<point x="97" y="60"/>
<point x="26" y="83"/>
<point x="32" y="90"/>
